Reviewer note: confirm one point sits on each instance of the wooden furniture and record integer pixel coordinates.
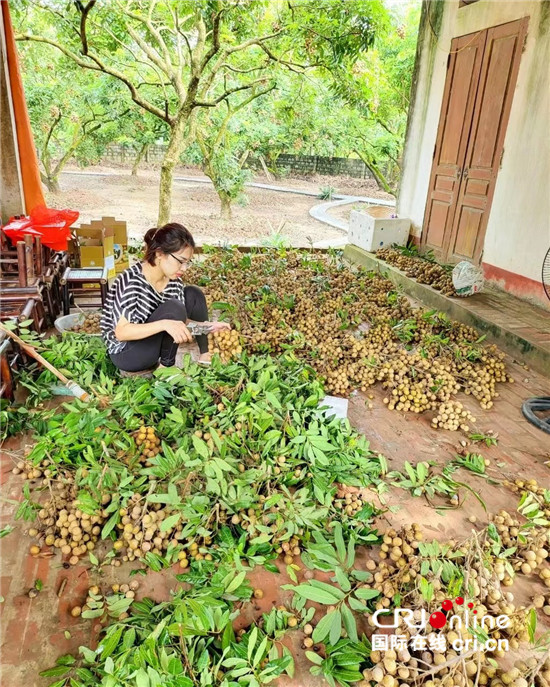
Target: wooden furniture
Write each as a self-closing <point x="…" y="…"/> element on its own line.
<point x="31" y="271"/>
<point x="84" y="283"/>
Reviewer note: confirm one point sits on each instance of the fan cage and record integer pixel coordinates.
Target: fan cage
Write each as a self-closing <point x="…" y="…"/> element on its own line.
<point x="546" y="274"/>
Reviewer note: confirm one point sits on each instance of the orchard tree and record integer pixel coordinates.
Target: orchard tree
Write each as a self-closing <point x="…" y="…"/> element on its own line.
<point x="70" y="111"/>
<point x="219" y="149"/>
<point x="179" y="56"/>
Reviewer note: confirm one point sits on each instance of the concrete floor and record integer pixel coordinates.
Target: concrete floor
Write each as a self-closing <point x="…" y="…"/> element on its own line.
<point x="33" y="631"/>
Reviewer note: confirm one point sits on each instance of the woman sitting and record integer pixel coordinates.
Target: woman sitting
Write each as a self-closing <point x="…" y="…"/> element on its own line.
<point x="147" y="308"/>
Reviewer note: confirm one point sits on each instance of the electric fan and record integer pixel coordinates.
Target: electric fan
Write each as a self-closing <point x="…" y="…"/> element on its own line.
<point x="537" y="410"/>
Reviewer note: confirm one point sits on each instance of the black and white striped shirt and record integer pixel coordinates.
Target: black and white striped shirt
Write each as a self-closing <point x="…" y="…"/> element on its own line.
<point x="131" y="296"/>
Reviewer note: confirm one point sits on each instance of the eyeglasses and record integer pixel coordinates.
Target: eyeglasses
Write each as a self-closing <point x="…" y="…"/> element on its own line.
<point x="185" y="261"/>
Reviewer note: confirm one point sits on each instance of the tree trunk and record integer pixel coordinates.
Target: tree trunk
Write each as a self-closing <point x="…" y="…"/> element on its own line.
<point x="53" y="184"/>
<point x="171" y="157"/>
<point x="376" y="172"/>
<point x="226" y="205"/>
<point x="139" y="158"/>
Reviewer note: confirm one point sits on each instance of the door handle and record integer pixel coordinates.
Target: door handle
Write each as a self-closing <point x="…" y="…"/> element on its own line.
<point x="458" y="173"/>
<point x="465" y="172"/>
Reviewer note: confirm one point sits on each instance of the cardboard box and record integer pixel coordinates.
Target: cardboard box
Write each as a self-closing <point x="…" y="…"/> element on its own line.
<point x="104" y="242"/>
<point x="375" y="228"/>
<point x="96" y="246"/>
<point x="120" y="242"/>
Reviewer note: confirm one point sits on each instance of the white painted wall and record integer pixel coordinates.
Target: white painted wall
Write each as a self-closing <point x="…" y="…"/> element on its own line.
<point x="518" y="231"/>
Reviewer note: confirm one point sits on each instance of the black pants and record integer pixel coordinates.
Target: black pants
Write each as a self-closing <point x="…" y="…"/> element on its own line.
<point x="145" y="353"/>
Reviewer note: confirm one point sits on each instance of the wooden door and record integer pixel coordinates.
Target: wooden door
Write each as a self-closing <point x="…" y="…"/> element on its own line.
<point x="501" y="59"/>
<point x="458" y="205"/>
<point x="463" y="70"/>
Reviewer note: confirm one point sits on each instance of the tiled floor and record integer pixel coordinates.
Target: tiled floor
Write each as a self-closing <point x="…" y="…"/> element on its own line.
<point x="35" y="632"/>
<point x="529" y="321"/>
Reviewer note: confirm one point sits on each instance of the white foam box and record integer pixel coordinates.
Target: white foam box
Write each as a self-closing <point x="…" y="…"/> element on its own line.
<point x="376" y="228"/>
<point x="335" y="407"/>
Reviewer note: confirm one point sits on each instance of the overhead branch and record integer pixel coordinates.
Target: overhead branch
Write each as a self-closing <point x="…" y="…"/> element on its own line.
<point x="233" y="109"/>
<point x="291" y="66"/>
<point x="99" y="66"/>
<point x="226" y="94"/>
<point x="215" y="40"/>
<point x="225" y="65"/>
<point x="157" y="36"/>
<point x="84" y="11"/>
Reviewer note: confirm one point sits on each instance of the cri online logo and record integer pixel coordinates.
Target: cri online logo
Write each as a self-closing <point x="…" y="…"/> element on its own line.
<point x="439" y="619"/>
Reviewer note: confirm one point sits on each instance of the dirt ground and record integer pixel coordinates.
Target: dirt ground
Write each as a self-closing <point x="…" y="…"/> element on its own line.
<point x="99" y="191"/>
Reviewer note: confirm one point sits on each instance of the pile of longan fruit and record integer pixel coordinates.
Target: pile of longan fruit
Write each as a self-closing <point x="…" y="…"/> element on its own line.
<point x="422" y="270"/>
<point x="452" y="415"/>
<point x="89" y="325"/>
<point x="352" y="328"/>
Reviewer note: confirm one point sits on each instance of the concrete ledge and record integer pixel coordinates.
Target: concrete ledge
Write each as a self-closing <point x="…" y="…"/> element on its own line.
<point x="463" y="310"/>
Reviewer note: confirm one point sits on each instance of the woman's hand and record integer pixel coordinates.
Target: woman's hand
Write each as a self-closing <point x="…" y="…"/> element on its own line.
<point x="178" y="331"/>
<point x="218" y="326"/>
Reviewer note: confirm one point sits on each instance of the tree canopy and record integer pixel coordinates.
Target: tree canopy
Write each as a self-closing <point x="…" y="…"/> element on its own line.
<point x="228" y="77"/>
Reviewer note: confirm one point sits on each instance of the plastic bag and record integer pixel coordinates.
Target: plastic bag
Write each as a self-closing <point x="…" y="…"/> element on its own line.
<point x="467" y="278"/>
<point x="52" y="226"/>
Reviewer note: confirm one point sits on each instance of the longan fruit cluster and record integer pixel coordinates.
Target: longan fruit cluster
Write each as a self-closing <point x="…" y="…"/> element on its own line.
<point x="452" y="415"/>
<point x="89" y="325"/>
<point x="542" y="602"/>
<point x="147" y="439"/>
<point x="195" y="551"/>
<point x="226" y="343"/>
<point x="68" y="528"/>
<point x="29" y="471"/>
<point x="520" y="675"/>
<point x="140" y="530"/>
<point x="351" y="504"/>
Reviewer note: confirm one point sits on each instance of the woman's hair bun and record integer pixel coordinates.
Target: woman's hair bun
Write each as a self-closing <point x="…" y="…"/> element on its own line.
<point x="150" y="235"/>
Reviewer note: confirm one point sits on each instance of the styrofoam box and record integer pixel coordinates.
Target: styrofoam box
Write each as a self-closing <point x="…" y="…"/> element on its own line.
<point x="375" y="228"/>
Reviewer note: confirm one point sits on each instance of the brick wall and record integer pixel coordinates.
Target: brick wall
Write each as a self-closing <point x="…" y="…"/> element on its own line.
<point x="314" y="164"/>
<point x="123" y="154"/>
<point x="291" y="164"/>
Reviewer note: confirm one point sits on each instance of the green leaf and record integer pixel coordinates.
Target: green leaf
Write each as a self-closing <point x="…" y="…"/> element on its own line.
<point x="357" y="605"/>
<point x="142" y="679"/>
<point x="318" y="595"/>
<point x="110" y="524"/>
<point x="260" y="652"/>
<point x="110" y="642"/>
<point x="55" y="672"/>
<point x="532" y="624"/>
<point x="170" y="522"/>
<point x="335" y="627"/>
<point x="200" y="447"/>
<point x="88" y="654"/>
<point x="366" y="594"/>
<point x="324" y="626"/>
<point x="236" y="582"/>
<point x="339" y="541"/>
<point x="342" y="579"/>
<point x="314" y="658"/>
<point x="252" y="641"/>
<point x="349" y="623"/>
